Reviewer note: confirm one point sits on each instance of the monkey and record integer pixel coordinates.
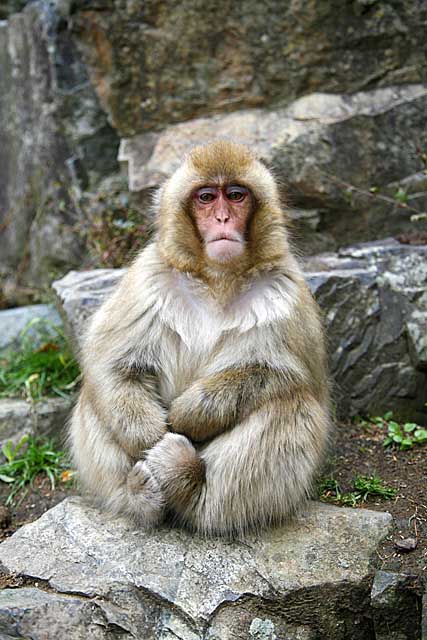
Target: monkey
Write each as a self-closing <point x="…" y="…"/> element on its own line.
<point x="205" y="395"/>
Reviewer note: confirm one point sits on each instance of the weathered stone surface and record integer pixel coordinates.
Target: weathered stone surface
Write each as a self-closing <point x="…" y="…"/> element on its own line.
<point x="369" y="293"/>
<point x="14" y="321"/>
<point x="11" y="6"/>
<point x="162" y="62"/>
<point x="55" y="142"/>
<point x="47" y="417"/>
<point x="80" y="293"/>
<point x="373" y="298"/>
<point x="396" y="601"/>
<point x="309" y="580"/>
<point x="318" y="146"/>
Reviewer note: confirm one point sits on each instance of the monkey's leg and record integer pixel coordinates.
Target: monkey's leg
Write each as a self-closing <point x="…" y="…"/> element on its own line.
<point x="118" y="482"/>
<point x="252" y="476"/>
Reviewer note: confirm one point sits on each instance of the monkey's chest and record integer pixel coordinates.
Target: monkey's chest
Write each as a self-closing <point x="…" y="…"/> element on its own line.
<point x="187" y="360"/>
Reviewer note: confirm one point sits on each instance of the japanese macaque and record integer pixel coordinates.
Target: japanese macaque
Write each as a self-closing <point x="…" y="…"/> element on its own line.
<point x="205" y="393"/>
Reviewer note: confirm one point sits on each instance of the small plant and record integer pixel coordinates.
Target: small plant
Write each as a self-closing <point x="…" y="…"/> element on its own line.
<point x="42" y="366"/>
<point x="29" y="458"/>
<point x="405" y="436"/>
<point x="373" y="486"/>
<point x="363" y="488"/>
<point x="401" y="196"/>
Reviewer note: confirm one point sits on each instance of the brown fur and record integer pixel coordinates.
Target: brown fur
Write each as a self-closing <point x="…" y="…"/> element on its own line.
<point x="229" y="356"/>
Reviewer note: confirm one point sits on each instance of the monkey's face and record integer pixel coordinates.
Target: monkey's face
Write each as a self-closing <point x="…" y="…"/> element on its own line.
<point x="221" y="215"/>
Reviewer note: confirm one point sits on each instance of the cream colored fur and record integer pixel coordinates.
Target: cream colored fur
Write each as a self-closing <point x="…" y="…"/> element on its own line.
<point x="232" y="360"/>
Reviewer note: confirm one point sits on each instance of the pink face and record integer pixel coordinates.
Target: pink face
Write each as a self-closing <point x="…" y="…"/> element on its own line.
<point x="222" y="215"/>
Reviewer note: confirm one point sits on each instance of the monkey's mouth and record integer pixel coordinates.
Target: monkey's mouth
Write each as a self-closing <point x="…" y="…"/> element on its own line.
<point x="224" y="248"/>
<point x="227" y="238"/>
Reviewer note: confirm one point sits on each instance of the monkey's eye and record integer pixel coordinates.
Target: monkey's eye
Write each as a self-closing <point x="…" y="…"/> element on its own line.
<point x="206" y="195"/>
<point x="236" y="194"/>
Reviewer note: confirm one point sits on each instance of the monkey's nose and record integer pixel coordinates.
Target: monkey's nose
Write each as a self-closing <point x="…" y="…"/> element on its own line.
<point x="222" y="215"/>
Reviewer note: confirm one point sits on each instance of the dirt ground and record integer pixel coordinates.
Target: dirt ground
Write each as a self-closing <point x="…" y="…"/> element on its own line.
<point x="356" y="451"/>
<point x="37" y="500"/>
<point x="359" y="450"/>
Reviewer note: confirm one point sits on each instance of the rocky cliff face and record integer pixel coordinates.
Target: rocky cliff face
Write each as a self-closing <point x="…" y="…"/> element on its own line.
<point x="332" y="95"/>
<point x="55" y="142"/>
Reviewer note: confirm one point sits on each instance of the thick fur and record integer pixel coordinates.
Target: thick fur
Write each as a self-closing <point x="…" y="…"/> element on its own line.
<point x="205" y="389"/>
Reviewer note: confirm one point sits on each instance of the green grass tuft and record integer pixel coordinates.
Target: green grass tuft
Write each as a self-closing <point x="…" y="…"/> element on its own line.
<point x="42" y="366"/>
<point x="364" y="487"/>
<point x="25" y="461"/>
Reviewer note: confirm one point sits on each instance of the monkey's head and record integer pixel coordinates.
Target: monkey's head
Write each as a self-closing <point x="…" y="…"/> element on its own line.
<point x="220" y="213"/>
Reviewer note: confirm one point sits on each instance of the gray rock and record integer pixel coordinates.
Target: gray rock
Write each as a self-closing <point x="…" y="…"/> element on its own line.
<point x="373" y="298"/>
<point x="80" y="293"/>
<point x="44" y="418"/>
<point x="55" y="142"/>
<point x="396" y="601"/>
<point x="368" y="293"/>
<point x="176" y="65"/>
<point x="308" y="580"/>
<point x="14" y="321"/>
<point x="320" y="147"/>
<point x="11" y="6"/>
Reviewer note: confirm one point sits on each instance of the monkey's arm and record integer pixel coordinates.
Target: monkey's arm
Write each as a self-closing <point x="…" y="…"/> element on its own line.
<point x="126" y="402"/>
<point x="121" y="365"/>
<point x="218" y="402"/>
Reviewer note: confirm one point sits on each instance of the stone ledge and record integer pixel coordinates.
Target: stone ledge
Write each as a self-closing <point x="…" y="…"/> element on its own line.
<point x="310" y="579"/>
<point x="18" y="417"/>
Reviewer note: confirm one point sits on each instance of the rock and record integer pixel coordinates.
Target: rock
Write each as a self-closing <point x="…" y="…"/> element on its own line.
<point x="320" y="147"/>
<point x="55" y="143"/>
<point x="14" y="321"/>
<point x="11" y="6"/>
<point x="369" y="294"/>
<point x="406" y="545"/>
<point x="47" y="417"/>
<point x="310" y="579"/>
<point x="174" y="64"/>
<point x="80" y="293"/>
<point x="396" y="606"/>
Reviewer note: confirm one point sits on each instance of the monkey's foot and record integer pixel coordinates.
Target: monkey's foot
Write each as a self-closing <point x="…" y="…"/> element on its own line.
<point x="146" y="500"/>
<point x="178" y="468"/>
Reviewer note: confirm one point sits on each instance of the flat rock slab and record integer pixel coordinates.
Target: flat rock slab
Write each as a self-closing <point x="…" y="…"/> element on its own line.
<point x="14" y="321"/>
<point x="90" y="577"/>
<point x="19" y="417"/>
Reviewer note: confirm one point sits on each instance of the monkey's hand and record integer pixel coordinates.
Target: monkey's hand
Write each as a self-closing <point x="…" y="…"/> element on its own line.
<point x="216" y="403"/>
<point x="178" y="469"/>
<point x="201" y="412"/>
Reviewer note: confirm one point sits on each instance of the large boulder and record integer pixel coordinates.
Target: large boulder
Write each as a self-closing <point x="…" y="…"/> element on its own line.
<point x="55" y="142"/>
<point x="352" y="164"/>
<point x="165" y="61"/>
<point x="374" y="303"/>
<point x="83" y="575"/>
